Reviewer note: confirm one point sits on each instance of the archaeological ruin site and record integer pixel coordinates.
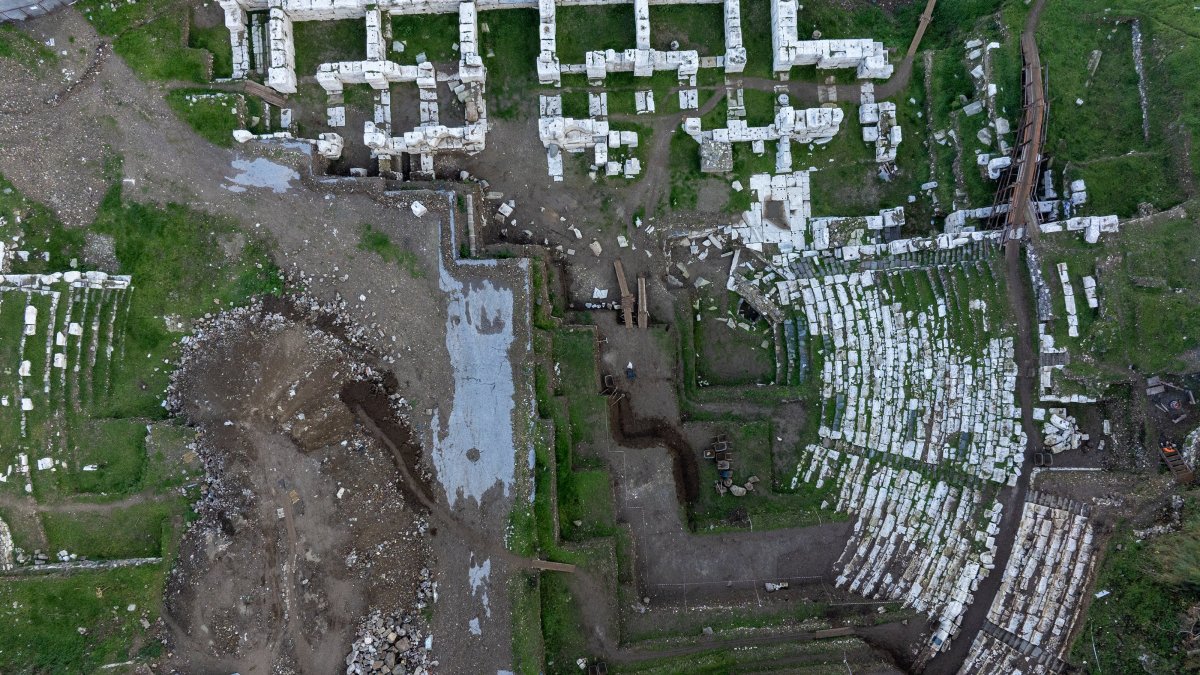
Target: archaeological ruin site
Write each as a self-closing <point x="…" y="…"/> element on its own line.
<point x="599" y="336"/>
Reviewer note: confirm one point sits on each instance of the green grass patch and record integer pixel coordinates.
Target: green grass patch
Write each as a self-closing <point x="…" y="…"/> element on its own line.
<point x="847" y="181"/>
<point x="528" y="647"/>
<point x="117" y="447"/>
<point x="214" y="39"/>
<point x="583" y="29"/>
<point x="1098" y="136"/>
<point x="433" y="35"/>
<point x="698" y="27"/>
<point x="41" y="615"/>
<point x="1119" y="184"/>
<point x="1149" y="328"/>
<point x="575" y="353"/>
<point x="1109" y="122"/>
<point x="1137" y="626"/>
<point x="320" y="42"/>
<point x="149" y="36"/>
<point x="685" y="171"/>
<point x="19" y="47"/>
<point x="213" y="114"/>
<point x="586" y="498"/>
<point x="130" y="532"/>
<point x="169" y="251"/>
<point x="510" y="49"/>
<point x="379" y="243"/>
<point x="156" y="50"/>
<point x="562" y="625"/>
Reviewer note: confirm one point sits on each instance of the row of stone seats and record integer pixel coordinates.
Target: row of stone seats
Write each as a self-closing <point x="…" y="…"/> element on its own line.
<point x="917" y="539"/>
<point x="1051" y="562"/>
<point x="912" y="383"/>
<point x="991" y="656"/>
<point x="74" y="339"/>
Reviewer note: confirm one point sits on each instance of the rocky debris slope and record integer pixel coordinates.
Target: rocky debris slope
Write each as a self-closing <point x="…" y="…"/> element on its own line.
<point x="396" y="643"/>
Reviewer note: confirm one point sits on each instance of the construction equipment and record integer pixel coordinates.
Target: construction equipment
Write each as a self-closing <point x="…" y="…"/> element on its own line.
<point x="626" y="296"/>
<point x="610" y="390"/>
<point x="1175" y="462"/>
<point x="721" y="451"/>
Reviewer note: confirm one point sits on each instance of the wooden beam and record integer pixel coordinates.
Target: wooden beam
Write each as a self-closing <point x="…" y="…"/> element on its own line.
<point x="551" y="566"/>
<point x="626" y="296"/>
<point x="643" y="312"/>
<point x="265" y="93"/>
<point x="621" y="277"/>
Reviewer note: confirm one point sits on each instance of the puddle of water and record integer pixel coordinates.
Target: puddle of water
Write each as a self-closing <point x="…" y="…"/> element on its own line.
<point x="261" y="173"/>
<point x="476" y="450"/>
<point x="478" y="576"/>
<point x="473" y="624"/>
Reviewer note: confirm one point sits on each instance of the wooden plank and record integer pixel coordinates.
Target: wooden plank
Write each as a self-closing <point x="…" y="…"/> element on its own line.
<point x="621" y="278"/>
<point x="833" y="632"/>
<point x="643" y="312"/>
<point x="265" y="93"/>
<point x="551" y="566"/>
<point x="626" y="296"/>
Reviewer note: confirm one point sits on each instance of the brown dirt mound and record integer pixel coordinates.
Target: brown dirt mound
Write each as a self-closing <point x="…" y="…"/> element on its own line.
<point x="304" y="527"/>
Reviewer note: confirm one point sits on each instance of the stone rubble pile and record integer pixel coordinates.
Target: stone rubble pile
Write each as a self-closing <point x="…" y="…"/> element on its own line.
<point x="879" y="125"/>
<point x="6" y="547"/>
<point x="998" y="129"/>
<point x="395" y="643"/>
<point x="1057" y="213"/>
<point x="1060" y="429"/>
<point x="1089" y="292"/>
<point x="1052" y="560"/>
<point x="808" y="125"/>
<point x="220" y="494"/>
<point x="781" y="215"/>
<point x="914" y="384"/>
<point x="917" y="540"/>
<point x="1064" y="278"/>
<point x="867" y="56"/>
<point x="1053" y="358"/>
<point x="567" y="134"/>
<point x="326" y="145"/>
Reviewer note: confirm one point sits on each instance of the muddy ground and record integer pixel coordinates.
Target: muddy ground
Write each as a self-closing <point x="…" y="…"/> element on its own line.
<point x="304" y="524"/>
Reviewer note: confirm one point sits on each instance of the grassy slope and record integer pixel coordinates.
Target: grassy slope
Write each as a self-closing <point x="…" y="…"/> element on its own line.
<point x="1102" y="139"/>
<point x="41" y="614"/>
<point x="1151" y="585"/>
<point x="1148" y="328"/>
<point x="149" y="36"/>
<point x="169" y="252"/>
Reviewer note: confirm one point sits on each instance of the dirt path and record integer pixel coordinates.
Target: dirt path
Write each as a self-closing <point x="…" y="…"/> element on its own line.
<point x="16" y="502"/>
<point x="22" y="515"/>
